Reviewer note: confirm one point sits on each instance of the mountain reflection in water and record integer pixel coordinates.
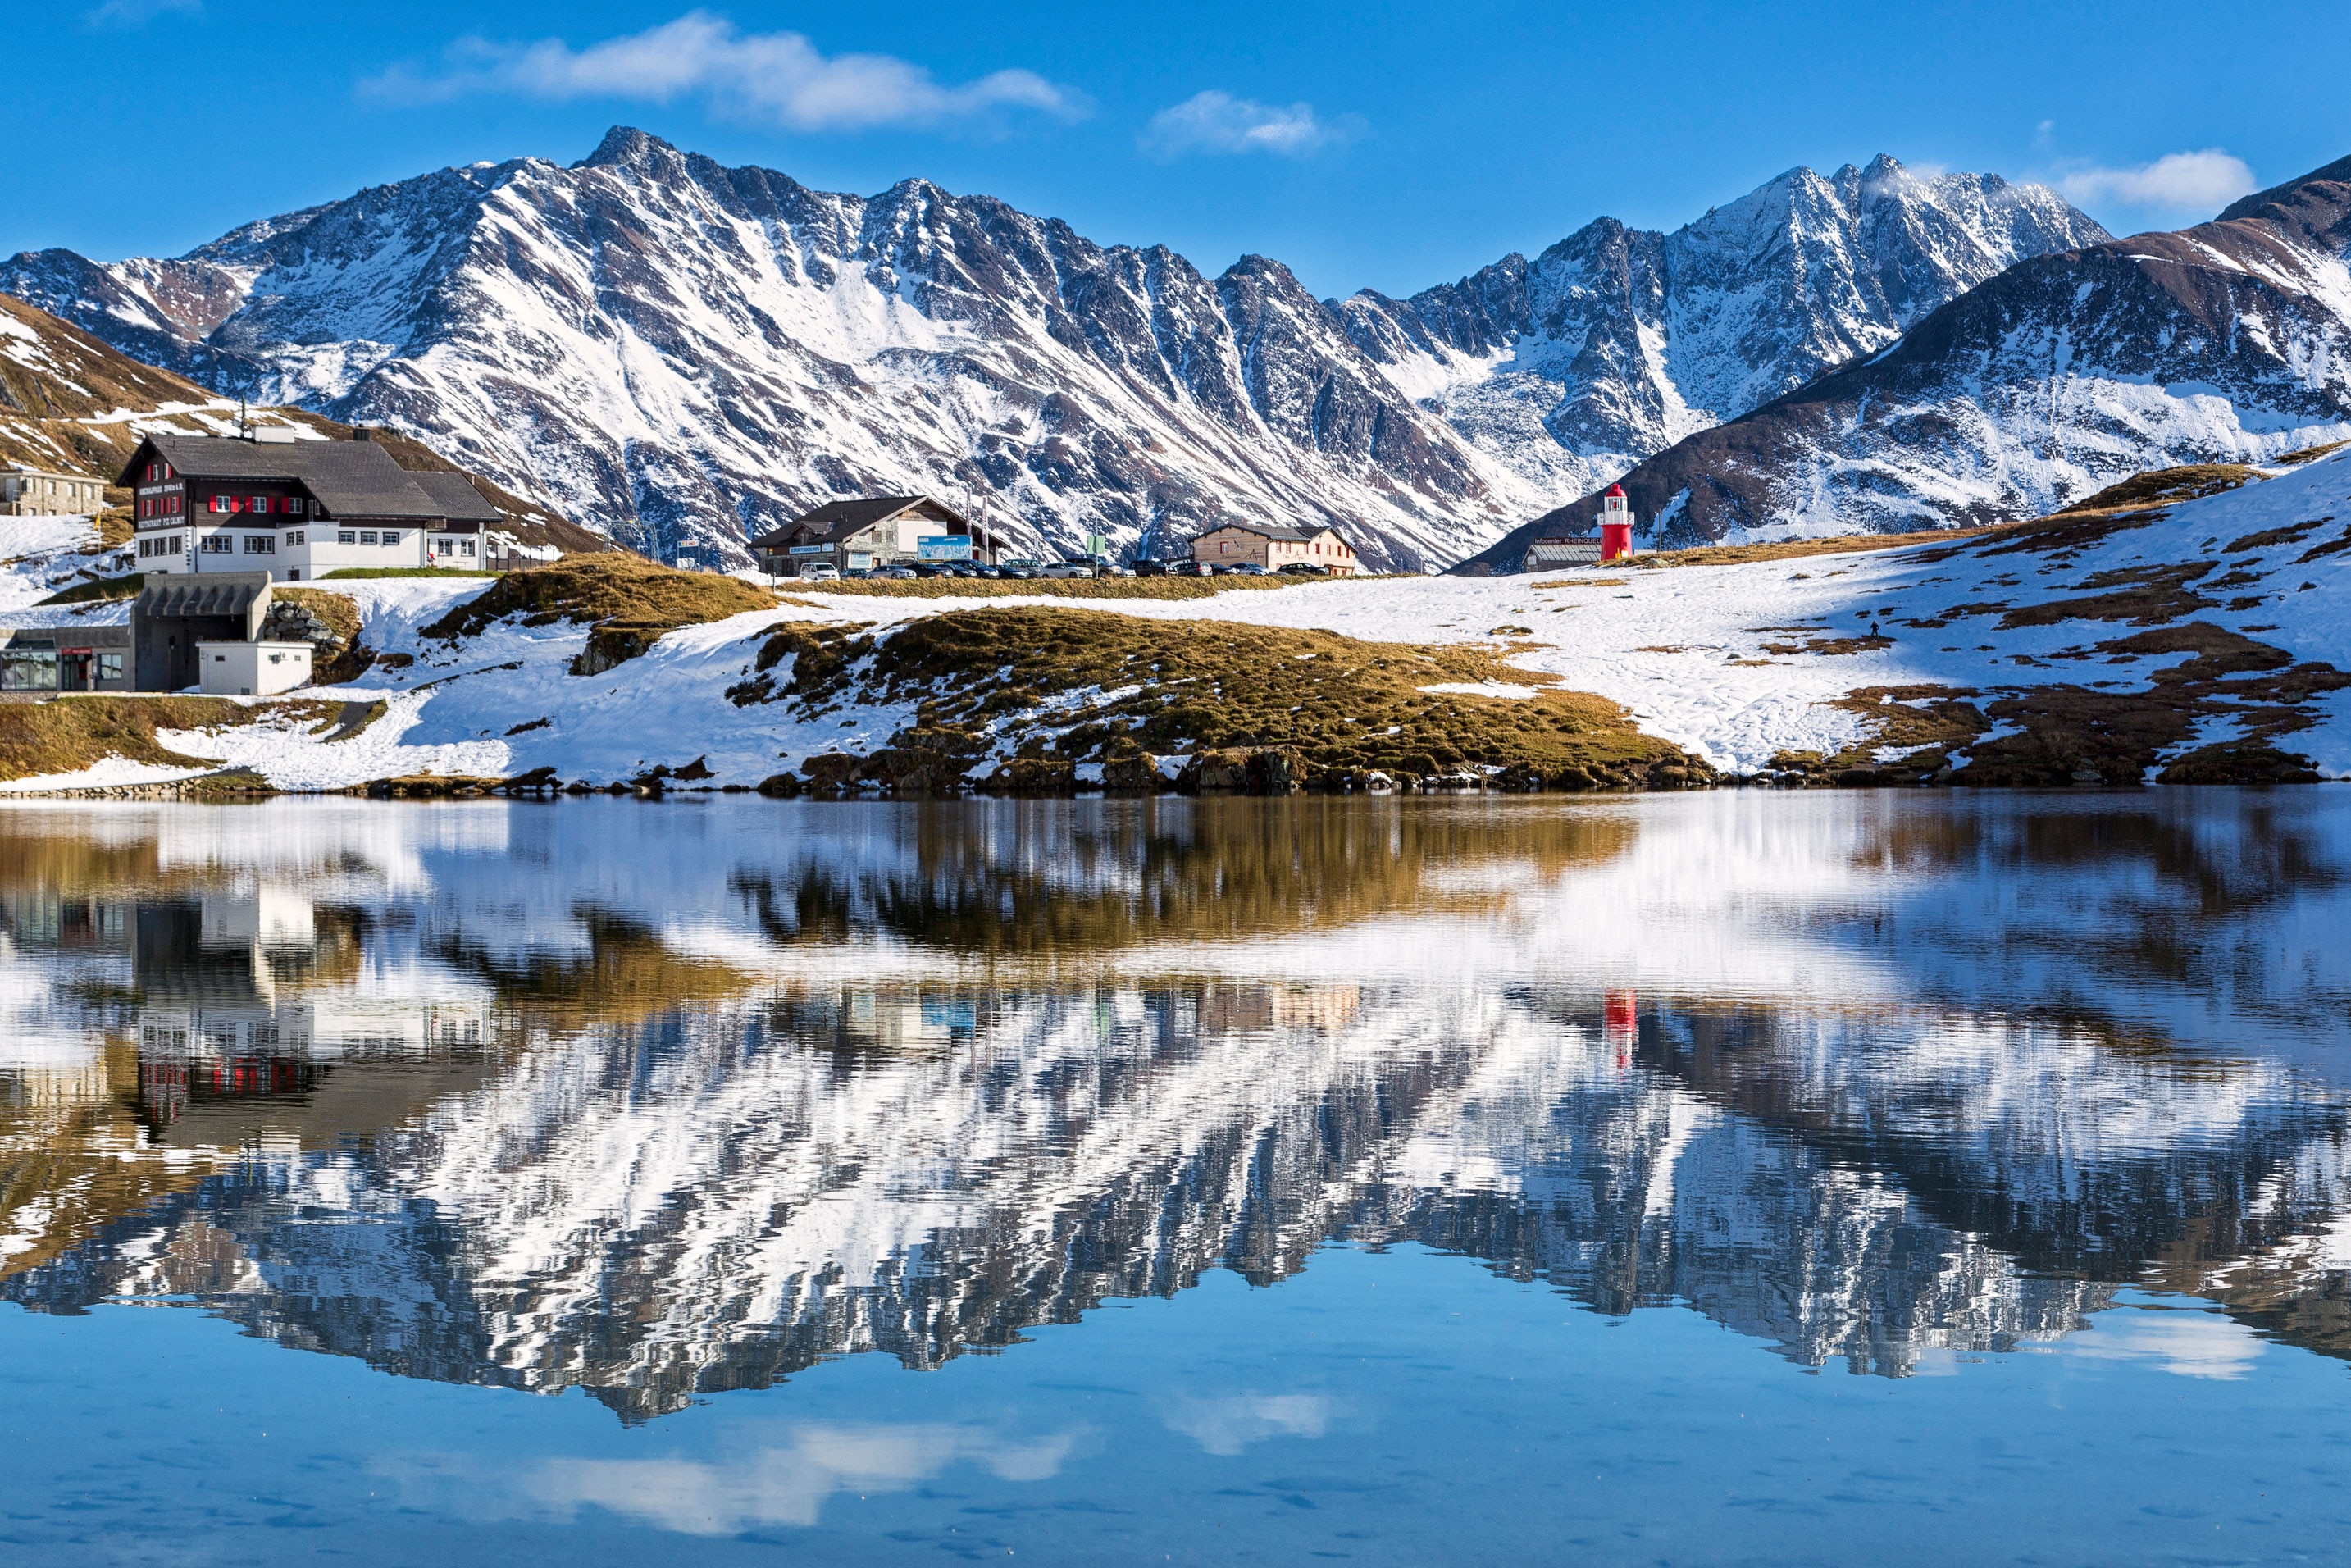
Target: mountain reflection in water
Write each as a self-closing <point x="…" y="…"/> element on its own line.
<point x="657" y="1101"/>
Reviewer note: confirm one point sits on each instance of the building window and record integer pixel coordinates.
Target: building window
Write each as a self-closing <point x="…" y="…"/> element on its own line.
<point x="367" y="538"/>
<point x="110" y="666"/>
<point x="261" y="506"/>
<point x="466" y="547"/>
<point x="220" y="503"/>
<point x="29" y="670"/>
<point x="218" y="544"/>
<point x="346" y="537"/>
<point x="390" y="536"/>
<point x="294" y="538"/>
<point x="261" y="544"/>
<point x="443" y="547"/>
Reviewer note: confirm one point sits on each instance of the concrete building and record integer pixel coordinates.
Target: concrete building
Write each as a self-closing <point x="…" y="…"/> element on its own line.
<point x="252" y="669"/>
<point x="879" y="531"/>
<point x="176" y="612"/>
<point x="66" y="659"/>
<point x="295" y="510"/>
<point x="41" y="492"/>
<point x="1274" y="546"/>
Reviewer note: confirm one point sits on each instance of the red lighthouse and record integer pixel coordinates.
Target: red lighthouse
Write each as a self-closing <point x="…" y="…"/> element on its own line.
<point x="1616" y="525"/>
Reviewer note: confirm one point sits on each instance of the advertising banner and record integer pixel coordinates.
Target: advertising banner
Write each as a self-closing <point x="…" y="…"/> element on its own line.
<point x="943" y="546"/>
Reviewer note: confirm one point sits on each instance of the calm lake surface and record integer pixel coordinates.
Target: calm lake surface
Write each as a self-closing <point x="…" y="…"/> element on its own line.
<point x="1728" y="1177"/>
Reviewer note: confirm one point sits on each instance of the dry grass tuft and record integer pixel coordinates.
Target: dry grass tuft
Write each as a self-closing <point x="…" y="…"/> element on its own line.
<point x="1062" y="686"/>
<point x="629" y="601"/>
<point x="70" y="733"/>
<point x="2167" y="487"/>
<point x="1798" y="549"/>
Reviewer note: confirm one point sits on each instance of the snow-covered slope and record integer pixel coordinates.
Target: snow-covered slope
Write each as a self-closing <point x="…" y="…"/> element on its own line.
<point x="2230" y="341"/>
<point x="674" y="350"/>
<point x="2210" y="639"/>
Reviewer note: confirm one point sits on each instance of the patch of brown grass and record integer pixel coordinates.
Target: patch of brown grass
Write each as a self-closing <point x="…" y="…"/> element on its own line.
<point x="2309" y="454"/>
<point x="98" y="591"/>
<point x="2166" y="486"/>
<point x="1126" y="685"/>
<point x="71" y="734"/>
<point x="2142" y="595"/>
<point x="627" y="602"/>
<point x="1798" y="549"/>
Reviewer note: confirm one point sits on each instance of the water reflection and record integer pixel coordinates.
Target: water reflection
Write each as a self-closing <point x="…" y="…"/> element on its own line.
<point x="659" y="1102"/>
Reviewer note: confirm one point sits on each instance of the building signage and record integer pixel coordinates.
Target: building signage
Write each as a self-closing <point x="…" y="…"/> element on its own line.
<point x="943" y="547"/>
<point x="809" y="549"/>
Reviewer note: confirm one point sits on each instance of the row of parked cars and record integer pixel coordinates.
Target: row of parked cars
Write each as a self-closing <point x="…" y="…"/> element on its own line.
<point x="1027" y="571"/>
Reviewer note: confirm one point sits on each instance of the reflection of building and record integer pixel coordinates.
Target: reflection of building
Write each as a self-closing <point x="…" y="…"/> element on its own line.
<point x="267" y="1050"/>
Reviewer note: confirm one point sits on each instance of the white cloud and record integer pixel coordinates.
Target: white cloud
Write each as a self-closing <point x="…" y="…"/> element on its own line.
<point x="139" y="13"/>
<point x="1230" y="1425"/>
<point x="2183" y="1342"/>
<point x="786" y="1485"/>
<point x="1214" y="121"/>
<point x="777" y="79"/>
<point x="2178" y="181"/>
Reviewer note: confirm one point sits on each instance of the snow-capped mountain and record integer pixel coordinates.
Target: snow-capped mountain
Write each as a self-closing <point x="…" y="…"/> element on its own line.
<point x="1615" y="342"/>
<point x="2227" y="342"/>
<point x="673" y="349"/>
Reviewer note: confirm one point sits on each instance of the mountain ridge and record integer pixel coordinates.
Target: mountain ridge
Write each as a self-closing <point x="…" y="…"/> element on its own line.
<point x="2226" y="341"/>
<point x="679" y="351"/>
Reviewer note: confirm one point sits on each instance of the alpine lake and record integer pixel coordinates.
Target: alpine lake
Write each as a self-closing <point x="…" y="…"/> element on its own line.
<point x="1743" y="1177"/>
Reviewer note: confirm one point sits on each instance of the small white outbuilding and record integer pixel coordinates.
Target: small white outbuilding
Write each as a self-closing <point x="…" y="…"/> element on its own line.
<point x="253" y="669"/>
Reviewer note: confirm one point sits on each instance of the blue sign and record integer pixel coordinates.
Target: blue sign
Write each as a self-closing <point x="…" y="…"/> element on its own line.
<point x="943" y="547"/>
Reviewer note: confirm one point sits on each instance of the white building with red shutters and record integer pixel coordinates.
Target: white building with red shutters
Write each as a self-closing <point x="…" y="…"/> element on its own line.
<point x="295" y="510"/>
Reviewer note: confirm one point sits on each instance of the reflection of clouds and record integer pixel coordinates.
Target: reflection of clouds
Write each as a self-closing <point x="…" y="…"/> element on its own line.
<point x="786" y="1485"/>
<point x="2184" y="1343"/>
<point x="1227" y="1426"/>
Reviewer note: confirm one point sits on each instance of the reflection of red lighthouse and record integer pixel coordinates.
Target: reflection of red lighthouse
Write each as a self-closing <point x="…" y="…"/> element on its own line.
<point x="1616" y="525"/>
<point x="1623" y="1026"/>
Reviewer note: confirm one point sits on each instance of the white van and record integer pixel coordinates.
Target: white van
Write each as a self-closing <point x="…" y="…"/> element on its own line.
<point x="819" y="571"/>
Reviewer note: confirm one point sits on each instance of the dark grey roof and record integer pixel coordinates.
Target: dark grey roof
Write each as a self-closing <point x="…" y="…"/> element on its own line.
<point x="455" y="496"/>
<point x="351" y="478"/>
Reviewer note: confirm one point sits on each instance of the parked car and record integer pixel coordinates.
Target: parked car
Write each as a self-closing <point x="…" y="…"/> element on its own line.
<point x="1068" y="569"/>
<point x="820" y="573"/>
<point x="1304" y="569"/>
<point x="1244" y="569"/>
<point x="990" y="572"/>
<point x="897" y="573"/>
<point x="1146" y="567"/>
<point x="859" y="572"/>
<point x="1188" y="568"/>
<point x="1017" y="574"/>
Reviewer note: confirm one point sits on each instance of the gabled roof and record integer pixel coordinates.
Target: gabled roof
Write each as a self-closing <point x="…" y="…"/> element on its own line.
<point x="837" y="520"/>
<point x="1290" y="533"/>
<point x="351" y="478"/>
<point x="455" y="496"/>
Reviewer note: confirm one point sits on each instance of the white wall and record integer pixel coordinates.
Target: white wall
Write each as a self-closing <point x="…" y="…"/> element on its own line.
<point x="253" y="669"/>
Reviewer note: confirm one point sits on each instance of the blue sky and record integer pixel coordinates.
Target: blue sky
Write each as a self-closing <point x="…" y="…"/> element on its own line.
<point x="1370" y="145"/>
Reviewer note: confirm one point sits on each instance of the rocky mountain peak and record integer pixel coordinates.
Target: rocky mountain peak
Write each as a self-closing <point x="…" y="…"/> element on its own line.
<point x="682" y="351"/>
